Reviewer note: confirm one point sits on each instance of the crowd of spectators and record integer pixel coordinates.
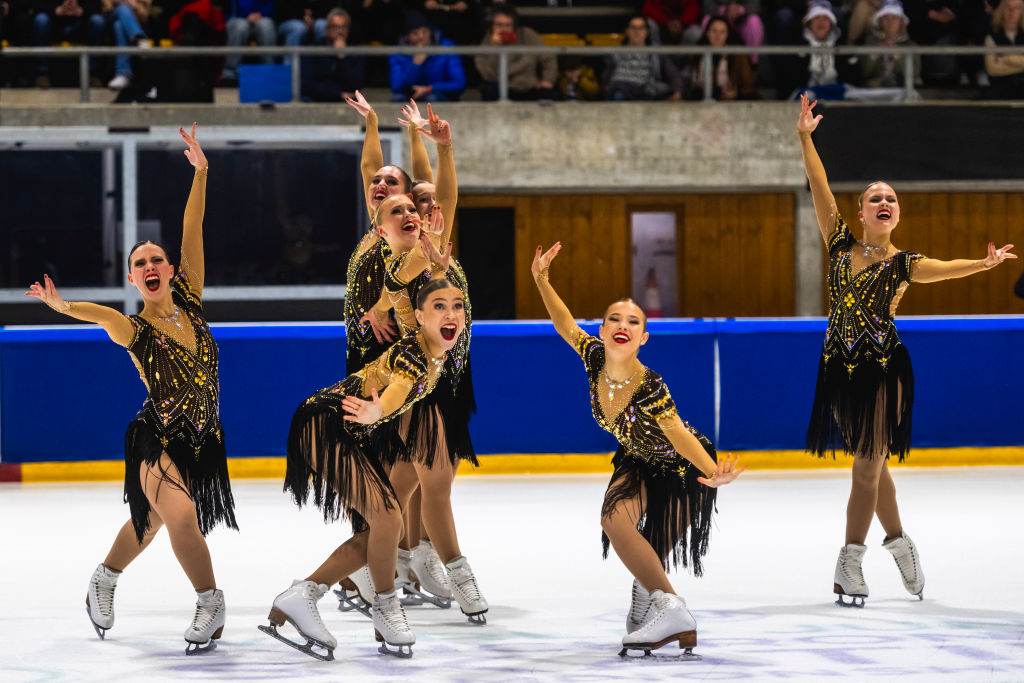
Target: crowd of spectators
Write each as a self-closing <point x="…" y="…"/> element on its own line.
<point x="624" y="76"/>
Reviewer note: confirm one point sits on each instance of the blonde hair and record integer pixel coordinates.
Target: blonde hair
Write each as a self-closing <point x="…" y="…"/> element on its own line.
<point x="999" y="15"/>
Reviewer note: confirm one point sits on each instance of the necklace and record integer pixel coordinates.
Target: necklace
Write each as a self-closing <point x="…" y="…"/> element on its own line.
<point x="614" y="386"/>
<point x="439" y="361"/>
<point x="172" y="318"/>
<point x="872" y="249"/>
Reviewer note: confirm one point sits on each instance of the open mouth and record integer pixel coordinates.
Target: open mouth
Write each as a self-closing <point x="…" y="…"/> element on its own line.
<point x="411" y="226"/>
<point x="620" y="338"/>
<point x="153" y="282"/>
<point x="380" y="194"/>
<point x="449" y="331"/>
<point x="883" y="215"/>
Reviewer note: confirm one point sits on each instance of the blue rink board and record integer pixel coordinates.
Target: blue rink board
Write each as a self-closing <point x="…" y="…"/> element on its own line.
<point x="69" y="393"/>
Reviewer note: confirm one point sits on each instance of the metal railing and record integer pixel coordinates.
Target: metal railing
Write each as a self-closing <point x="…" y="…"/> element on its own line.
<point x="503" y="52"/>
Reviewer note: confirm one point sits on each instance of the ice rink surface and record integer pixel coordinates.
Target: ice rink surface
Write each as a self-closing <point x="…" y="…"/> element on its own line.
<point x="764" y="607"/>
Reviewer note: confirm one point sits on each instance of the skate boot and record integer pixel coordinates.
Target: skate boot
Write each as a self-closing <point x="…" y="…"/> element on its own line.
<point x="639" y="608"/>
<point x="849" y="579"/>
<point x="99" y="601"/>
<point x="390" y="626"/>
<point x="905" y="553"/>
<point x="466" y="590"/>
<point x="359" y="598"/>
<point x="297" y="606"/>
<point x="668" y="621"/>
<point x="405" y="579"/>
<point x="208" y="622"/>
<point x="426" y="566"/>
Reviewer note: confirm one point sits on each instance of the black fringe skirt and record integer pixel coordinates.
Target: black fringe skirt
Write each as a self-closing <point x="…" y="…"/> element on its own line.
<point x="439" y="422"/>
<point x="203" y="470"/>
<point x="344" y="466"/>
<point x="865" y="412"/>
<point x="677" y="518"/>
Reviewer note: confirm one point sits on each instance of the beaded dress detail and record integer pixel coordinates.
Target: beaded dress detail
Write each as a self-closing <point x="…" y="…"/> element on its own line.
<point x="364" y="281"/>
<point x="677" y="521"/>
<point x="865" y="391"/>
<point x="181" y="414"/>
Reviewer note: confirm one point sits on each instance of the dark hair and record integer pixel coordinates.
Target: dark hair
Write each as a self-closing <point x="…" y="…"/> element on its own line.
<point x="507" y="10"/>
<point x="731" y="37"/>
<point x="626" y="299"/>
<point x="406" y="180"/>
<point x="429" y="288"/>
<point x="417" y="183"/>
<point x="139" y="244"/>
<point x="647" y="40"/>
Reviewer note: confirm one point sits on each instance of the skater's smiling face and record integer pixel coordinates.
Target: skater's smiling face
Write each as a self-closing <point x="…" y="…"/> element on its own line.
<point x="879" y="210"/>
<point x="389" y="180"/>
<point x="398" y="223"/>
<point x="150" y="271"/>
<point x="624" y="328"/>
<point x="441" y="313"/>
<point x="423" y="194"/>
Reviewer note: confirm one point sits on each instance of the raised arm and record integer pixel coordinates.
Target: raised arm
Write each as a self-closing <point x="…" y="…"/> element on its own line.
<point x="934" y="270"/>
<point x="420" y="161"/>
<point x="117" y="326"/>
<point x="565" y="325"/>
<point x="192" y="259"/>
<point x="447" y="192"/>
<point x="821" y="195"/>
<point x="373" y="157"/>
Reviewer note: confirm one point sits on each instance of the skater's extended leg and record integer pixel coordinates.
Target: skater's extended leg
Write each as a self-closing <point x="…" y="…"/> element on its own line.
<point x="620" y="525"/>
<point x="126" y="546"/>
<point x="886" y="508"/>
<point x="167" y="495"/>
<point x="436" y="506"/>
<point x="346" y="559"/>
<point x="860" y="509"/>
<point x="386" y="528"/>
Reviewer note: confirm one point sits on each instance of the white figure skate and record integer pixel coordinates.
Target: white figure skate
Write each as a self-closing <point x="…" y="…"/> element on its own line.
<point x="359" y="599"/>
<point x="428" y="572"/>
<point x="208" y="622"/>
<point x="905" y="553"/>
<point x="390" y="626"/>
<point x="849" y="578"/>
<point x="668" y="621"/>
<point x="297" y="606"/>
<point x="406" y="580"/>
<point x="639" y="608"/>
<point x="99" y="601"/>
<point x="466" y="590"/>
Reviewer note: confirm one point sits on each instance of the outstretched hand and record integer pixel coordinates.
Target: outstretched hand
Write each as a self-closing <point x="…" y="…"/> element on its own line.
<point x="997" y="256"/>
<point x="434" y="221"/>
<point x="441" y="259"/>
<point x="725" y="472"/>
<point x="194" y="153"/>
<point x="411" y="116"/>
<point x="383" y="327"/>
<point x="362" y="411"/>
<point x="360" y="104"/>
<point x="807" y="121"/>
<point x="47" y="293"/>
<point x="542" y="261"/>
<point x="439" y="130"/>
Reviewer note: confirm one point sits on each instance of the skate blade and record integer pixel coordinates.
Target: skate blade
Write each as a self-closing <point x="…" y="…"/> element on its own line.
<point x="201" y="648"/>
<point x="401" y="651"/>
<point x="855" y="600"/>
<point x="478" y="619"/>
<point x="647" y="655"/>
<point x="271" y="630"/>
<point x="349" y="604"/>
<point x="100" y="631"/>
<point x="423" y="597"/>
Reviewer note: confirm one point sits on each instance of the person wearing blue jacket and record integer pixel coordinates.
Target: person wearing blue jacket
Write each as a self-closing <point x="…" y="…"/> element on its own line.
<point x="249" y="20"/>
<point x="425" y="78"/>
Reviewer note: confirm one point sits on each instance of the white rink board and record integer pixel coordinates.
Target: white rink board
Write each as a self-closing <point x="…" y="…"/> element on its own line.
<point x="764" y="607"/>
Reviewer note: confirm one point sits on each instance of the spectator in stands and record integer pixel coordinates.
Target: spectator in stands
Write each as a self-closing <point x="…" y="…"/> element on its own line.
<point x="861" y="19"/>
<point x="678" y="20"/>
<point x="889" y="29"/>
<point x="732" y="75"/>
<point x="301" y="21"/>
<point x="824" y="74"/>
<point x="127" y="20"/>
<point x="248" y="20"/>
<point x="577" y="80"/>
<point x="457" y="19"/>
<point x="640" y="76"/>
<point x="81" y="21"/>
<point x="332" y="78"/>
<point x="743" y="20"/>
<point x="530" y="77"/>
<point x="433" y="78"/>
<point x="1006" y="72"/>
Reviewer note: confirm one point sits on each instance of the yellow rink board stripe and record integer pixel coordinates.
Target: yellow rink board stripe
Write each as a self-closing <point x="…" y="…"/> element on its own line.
<point x="547" y="463"/>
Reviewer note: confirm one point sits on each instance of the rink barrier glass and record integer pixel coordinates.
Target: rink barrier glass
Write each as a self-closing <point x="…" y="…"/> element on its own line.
<point x="765" y="374"/>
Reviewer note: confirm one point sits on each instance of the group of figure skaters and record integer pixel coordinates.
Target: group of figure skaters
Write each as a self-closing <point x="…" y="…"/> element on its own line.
<point x="381" y="446"/>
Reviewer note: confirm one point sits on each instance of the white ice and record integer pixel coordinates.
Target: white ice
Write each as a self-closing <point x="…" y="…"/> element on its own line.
<point x="764" y="607"/>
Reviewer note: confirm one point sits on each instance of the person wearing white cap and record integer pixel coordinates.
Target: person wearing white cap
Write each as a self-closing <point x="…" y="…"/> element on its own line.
<point x="824" y="74"/>
<point x="889" y="29"/>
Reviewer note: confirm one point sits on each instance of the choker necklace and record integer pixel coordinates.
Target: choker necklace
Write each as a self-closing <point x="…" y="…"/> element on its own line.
<point x="871" y="249"/>
<point x="438" y="362"/>
<point x="173" y="318"/>
<point x="614" y="386"/>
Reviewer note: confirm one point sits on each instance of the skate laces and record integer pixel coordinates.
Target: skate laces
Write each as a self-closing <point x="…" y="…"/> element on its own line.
<point x="392" y="612"/>
<point x="206" y="612"/>
<point x="313" y="592"/>
<point x="640" y="605"/>
<point x="851" y="568"/>
<point x="906" y="559"/>
<point x="463" y="578"/>
<point x="103" y="586"/>
<point x="435" y="568"/>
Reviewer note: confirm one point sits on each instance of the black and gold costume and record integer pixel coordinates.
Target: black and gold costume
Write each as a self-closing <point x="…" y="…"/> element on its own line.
<point x="347" y="461"/>
<point x="364" y="282"/>
<point x="180" y="416"/>
<point x="865" y="391"/>
<point x="448" y="410"/>
<point x="677" y="519"/>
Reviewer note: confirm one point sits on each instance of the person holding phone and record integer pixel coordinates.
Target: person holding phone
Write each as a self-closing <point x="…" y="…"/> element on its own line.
<point x="530" y="77"/>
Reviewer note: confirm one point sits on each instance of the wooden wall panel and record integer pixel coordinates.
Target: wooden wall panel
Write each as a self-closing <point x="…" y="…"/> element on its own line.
<point x="950" y="225"/>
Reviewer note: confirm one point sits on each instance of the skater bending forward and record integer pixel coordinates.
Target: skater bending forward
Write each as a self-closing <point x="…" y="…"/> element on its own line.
<point x="343" y="441"/>
<point x="865" y="391"/>
<point x="176" y="472"/>
<point x="657" y="508"/>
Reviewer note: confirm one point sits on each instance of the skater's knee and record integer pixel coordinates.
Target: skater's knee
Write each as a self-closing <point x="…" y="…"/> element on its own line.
<point x="388" y="521"/>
